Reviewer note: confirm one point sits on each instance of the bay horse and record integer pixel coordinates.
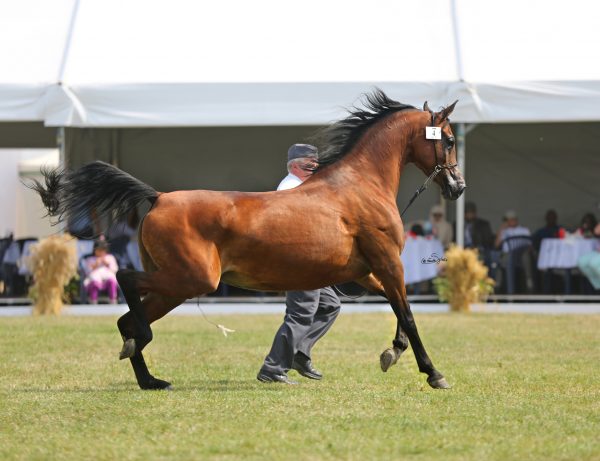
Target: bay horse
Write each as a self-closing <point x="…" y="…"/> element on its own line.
<point x="342" y="224"/>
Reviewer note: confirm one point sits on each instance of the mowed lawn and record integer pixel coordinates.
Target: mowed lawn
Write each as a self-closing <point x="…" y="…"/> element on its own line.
<point x="524" y="387"/>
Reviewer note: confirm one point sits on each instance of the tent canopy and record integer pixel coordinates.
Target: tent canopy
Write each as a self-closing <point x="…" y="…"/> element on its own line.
<point x="100" y="63"/>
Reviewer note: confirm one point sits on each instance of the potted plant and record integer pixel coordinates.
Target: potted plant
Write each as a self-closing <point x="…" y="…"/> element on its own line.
<point x="463" y="279"/>
<point x="53" y="263"/>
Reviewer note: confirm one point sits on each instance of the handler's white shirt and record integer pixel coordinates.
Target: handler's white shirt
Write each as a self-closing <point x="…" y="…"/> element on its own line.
<point x="289" y="182"/>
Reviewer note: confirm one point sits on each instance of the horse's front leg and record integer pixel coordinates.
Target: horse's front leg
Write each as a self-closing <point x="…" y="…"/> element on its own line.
<point x="391" y="355"/>
<point x="392" y="279"/>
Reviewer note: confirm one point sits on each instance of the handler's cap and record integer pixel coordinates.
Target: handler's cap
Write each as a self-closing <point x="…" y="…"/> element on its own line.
<point x="510" y="214"/>
<point x="302" y="151"/>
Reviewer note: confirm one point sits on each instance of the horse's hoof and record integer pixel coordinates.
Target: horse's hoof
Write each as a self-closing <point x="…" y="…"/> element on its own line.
<point x="157" y="385"/>
<point x="128" y="349"/>
<point x="389" y="357"/>
<point x="439" y="383"/>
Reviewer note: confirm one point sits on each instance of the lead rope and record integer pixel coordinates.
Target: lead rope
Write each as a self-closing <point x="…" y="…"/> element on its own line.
<point x="346" y="295"/>
<point x="220" y="327"/>
<point x="422" y="188"/>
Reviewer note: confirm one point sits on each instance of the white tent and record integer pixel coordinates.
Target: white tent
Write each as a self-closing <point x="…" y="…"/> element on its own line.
<point x="100" y="63"/>
<point x="149" y="68"/>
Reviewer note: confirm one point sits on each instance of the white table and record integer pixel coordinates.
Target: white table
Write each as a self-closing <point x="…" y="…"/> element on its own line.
<point x="564" y="253"/>
<point x="415" y="250"/>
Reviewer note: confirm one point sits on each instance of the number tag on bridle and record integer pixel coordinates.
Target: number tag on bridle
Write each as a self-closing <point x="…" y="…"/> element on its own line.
<point x="433" y="132"/>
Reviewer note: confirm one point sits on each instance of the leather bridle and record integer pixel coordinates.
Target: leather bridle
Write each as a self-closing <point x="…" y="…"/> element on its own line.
<point x="437" y="170"/>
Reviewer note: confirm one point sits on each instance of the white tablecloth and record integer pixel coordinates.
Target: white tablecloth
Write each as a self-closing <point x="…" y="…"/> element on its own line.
<point x="563" y="253"/>
<point x="415" y="250"/>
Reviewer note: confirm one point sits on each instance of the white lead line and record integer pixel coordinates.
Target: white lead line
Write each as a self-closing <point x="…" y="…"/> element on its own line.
<point x="223" y="329"/>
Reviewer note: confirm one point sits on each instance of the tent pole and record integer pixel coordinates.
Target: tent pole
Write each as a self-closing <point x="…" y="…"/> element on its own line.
<point x="60" y="143"/>
<point x="460" y="203"/>
<point x="62" y="163"/>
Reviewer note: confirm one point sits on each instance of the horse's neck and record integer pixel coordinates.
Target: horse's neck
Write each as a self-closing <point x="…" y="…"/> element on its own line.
<point x="379" y="156"/>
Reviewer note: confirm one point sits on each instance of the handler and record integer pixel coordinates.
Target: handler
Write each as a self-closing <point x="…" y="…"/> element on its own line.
<point x="309" y="314"/>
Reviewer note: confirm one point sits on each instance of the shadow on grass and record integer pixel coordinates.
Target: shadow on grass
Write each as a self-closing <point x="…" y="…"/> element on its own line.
<point x="226" y="385"/>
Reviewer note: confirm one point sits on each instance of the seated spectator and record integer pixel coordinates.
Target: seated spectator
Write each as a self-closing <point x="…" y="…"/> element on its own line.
<point x="121" y="232"/>
<point x="515" y="252"/>
<point x="85" y="226"/>
<point x="589" y="264"/>
<point x="101" y="270"/>
<point x="416" y="230"/>
<point x="478" y="232"/>
<point x="510" y="228"/>
<point x="124" y="227"/>
<point x="550" y="230"/>
<point x="588" y="224"/>
<point x="438" y="227"/>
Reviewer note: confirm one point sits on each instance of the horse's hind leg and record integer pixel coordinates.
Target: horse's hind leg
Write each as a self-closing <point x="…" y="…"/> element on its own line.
<point x="135" y="325"/>
<point x="391" y="355"/>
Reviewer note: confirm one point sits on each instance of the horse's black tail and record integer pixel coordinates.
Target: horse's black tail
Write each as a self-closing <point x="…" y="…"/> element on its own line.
<point x="96" y="186"/>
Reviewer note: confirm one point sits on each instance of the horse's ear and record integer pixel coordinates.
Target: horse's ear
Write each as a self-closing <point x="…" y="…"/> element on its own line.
<point x="445" y="113"/>
<point x="426" y="107"/>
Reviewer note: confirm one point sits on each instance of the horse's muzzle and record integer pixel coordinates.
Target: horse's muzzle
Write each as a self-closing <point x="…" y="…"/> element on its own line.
<point x="451" y="191"/>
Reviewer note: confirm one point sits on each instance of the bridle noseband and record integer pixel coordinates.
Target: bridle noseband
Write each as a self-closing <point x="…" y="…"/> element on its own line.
<point x="437" y="170"/>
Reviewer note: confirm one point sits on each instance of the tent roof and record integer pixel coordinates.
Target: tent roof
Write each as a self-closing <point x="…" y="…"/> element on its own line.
<point x="233" y="62"/>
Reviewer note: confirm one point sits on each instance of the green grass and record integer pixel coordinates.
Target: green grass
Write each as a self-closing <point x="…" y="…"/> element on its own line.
<point x="525" y="387"/>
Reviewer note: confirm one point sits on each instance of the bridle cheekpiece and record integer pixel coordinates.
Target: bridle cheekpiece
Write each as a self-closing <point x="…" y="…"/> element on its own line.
<point x="434" y="135"/>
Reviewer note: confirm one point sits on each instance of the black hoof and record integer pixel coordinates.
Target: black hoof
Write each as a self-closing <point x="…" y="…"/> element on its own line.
<point x="438" y="382"/>
<point x="156" y="384"/>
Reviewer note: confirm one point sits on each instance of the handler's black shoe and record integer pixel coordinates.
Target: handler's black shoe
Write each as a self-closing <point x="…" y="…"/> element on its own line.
<point x="303" y="365"/>
<point x="266" y="377"/>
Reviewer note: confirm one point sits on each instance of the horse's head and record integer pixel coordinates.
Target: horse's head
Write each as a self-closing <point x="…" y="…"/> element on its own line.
<point x="435" y="151"/>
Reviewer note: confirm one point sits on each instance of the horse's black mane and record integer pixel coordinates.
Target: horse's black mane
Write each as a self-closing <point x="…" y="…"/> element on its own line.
<point x="336" y="140"/>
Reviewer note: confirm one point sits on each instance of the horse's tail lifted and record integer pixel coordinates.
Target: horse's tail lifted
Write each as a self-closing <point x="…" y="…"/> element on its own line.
<point x="96" y="186"/>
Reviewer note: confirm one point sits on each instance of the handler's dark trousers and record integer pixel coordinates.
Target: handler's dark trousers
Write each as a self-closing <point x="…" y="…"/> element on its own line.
<point x="308" y="316"/>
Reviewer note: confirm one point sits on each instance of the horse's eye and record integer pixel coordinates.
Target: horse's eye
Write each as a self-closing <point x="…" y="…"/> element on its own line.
<point x="450" y="141"/>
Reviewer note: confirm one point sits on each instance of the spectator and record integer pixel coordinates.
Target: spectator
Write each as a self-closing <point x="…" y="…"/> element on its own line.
<point x="589" y="264"/>
<point x="85" y="226"/>
<point x="588" y="224"/>
<point x="510" y="228"/>
<point x="416" y="230"/>
<point x="125" y="227"/>
<point x="101" y="270"/>
<point x="81" y="227"/>
<point x="478" y="232"/>
<point x="122" y="232"/>
<point x="438" y="226"/>
<point x="550" y="230"/>
<point x="517" y="252"/>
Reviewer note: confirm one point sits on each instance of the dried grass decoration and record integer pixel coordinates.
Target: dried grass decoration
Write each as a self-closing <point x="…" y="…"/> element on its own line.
<point x="463" y="280"/>
<point x="53" y="263"/>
